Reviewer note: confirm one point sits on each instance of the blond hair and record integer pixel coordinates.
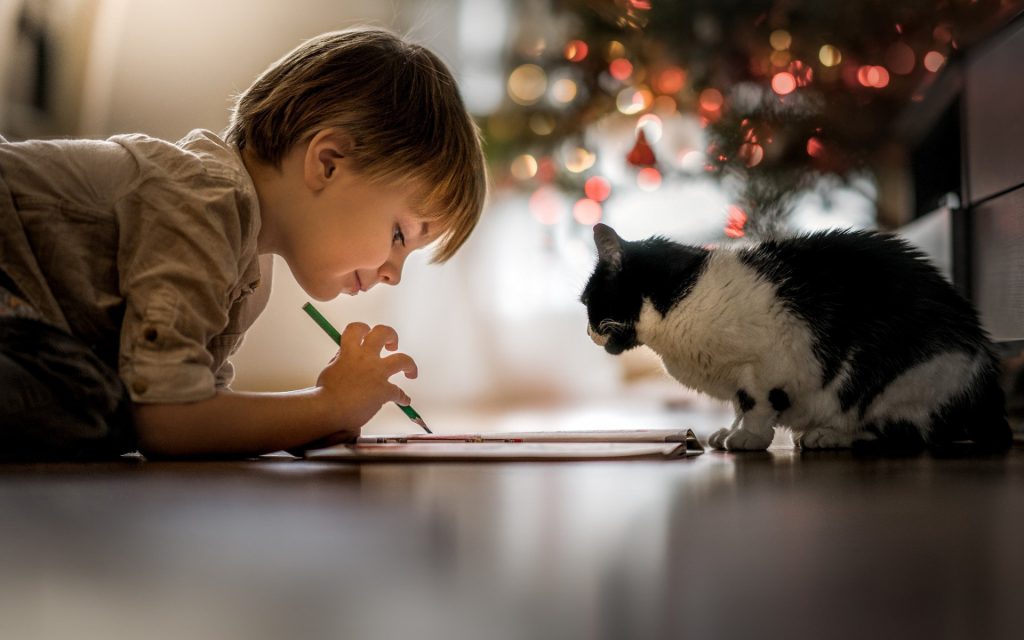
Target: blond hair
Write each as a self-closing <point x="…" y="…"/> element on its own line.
<point x="399" y="104"/>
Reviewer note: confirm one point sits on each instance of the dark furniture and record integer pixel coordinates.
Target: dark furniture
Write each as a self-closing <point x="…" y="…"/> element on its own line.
<point x="966" y="136"/>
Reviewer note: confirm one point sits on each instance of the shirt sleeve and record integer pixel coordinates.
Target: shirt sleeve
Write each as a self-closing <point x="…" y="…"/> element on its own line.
<point x="182" y="246"/>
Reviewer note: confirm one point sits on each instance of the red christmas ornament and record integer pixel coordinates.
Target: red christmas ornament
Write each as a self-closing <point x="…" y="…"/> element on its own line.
<point x="642" y="155"/>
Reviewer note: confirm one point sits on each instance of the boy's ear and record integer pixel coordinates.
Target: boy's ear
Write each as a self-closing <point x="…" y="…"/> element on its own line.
<point x="325" y="155"/>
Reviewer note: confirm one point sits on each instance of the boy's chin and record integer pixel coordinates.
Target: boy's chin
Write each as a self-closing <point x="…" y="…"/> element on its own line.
<point x="325" y="292"/>
<point x="323" y="295"/>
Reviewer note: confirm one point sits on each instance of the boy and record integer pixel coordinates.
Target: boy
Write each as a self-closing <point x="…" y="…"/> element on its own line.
<point x="131" y="268"/>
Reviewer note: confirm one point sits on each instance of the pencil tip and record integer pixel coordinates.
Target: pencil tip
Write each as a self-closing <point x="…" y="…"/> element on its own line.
<point x="422" y="424"/>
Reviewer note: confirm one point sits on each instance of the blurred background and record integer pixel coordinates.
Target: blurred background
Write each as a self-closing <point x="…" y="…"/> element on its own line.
<point x="711" y="122"/>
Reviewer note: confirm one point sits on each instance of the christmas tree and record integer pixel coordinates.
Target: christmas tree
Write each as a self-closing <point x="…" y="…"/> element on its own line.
<point x="783" y="92"/>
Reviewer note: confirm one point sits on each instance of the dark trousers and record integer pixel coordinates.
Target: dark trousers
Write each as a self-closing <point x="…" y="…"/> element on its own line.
<point x="58" y="400"/>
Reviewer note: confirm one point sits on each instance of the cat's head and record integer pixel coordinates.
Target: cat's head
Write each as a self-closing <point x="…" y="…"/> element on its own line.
<point x="612" y="299"/>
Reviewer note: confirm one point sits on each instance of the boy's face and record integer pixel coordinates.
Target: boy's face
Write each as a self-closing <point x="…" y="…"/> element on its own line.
<point x="352" y="234"/>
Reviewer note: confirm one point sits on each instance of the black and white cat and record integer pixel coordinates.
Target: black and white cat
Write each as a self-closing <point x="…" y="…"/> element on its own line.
<point x="844" y="337"/>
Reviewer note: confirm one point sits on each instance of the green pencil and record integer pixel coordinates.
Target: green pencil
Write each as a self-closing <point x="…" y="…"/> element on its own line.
<point x="333" y="333"/>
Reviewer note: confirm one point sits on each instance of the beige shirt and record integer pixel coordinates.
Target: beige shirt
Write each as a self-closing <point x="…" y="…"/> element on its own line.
<point x="144" y="249"/>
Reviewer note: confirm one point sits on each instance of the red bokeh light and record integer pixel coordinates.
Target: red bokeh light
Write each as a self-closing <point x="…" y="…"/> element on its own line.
<point x="597" y="188"/>
<point x="873" y="76"/>
<point x="648" y="179"/>
<point x="621" y="69"/>
<point x="576" y="51"/>
<point x="670" y="80"/>
<point x="815" y="148"/>
<point x="711" y="100"/>
<point x="783" y="83"/>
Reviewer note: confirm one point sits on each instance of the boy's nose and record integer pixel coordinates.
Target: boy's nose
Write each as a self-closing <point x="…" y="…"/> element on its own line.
<point x="390" y="273"/>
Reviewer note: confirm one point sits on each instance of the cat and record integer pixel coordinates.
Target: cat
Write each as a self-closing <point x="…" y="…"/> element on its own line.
<point x="846" y="338"/>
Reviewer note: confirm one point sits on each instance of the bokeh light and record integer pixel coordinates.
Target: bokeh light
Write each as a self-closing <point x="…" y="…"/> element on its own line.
<point x="780" y="58"/>
<point x="563" y="91"/>
<point x="542" y="124"/>
<point x="691" y="161"/>
<point x="829" y="55"/>
<point x="576" y="51"/>
<point x="815" y="148"/>
<point x="670" y="80"/>
<point x="586" y="211"/>
<point x="780" y="39"/>
<point x="933" y="61"/>
<point x="631" y="101"/>
<point x="578" y="160"/>
<point x="546" y="205"/>
<point x="711" y="99"/>
<point x="665" y="105"/>
<point x="597" y="188"/>
<point x="648" y="179"/>
<point x="621" y="69"/>
<point x="751" y="153"/>
<point x="527" y="83"/>
<point x="615" y="50"/>
<point x="873" y="76"/>
<point x="783" y="83"/>
<point x="900" y="58"/>
<point x="651" y="125"/>
<point x="523" y="167"/>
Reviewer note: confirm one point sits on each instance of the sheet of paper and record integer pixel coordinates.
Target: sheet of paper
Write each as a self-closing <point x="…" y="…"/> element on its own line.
<point x="618" y="435"/>
<point x="542" y="446"/>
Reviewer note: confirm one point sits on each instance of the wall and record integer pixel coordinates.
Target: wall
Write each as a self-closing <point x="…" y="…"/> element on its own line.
<point x="500" y="323"/>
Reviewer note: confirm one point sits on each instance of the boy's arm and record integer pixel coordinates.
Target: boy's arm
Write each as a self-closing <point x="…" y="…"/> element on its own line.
<point x="234" y="424"/>
<point x="349" y="391"/>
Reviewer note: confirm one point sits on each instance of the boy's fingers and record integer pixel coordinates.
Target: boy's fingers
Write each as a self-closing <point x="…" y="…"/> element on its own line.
<point x="353" y="334"/>
<point x="381" y="336"/>
<point x="400" y="362"/>
<point x="400" y="396"/>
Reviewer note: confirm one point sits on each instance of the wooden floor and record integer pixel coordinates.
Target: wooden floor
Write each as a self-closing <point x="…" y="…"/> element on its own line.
<point x="777" y="544"/>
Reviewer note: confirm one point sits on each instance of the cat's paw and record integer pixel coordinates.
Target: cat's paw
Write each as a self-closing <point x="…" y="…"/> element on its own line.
<point x="823" y="439"/>
<point x="717" y="439"/>
<point x="743" y="440"/>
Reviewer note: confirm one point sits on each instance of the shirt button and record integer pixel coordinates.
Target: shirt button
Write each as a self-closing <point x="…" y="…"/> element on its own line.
<point x="139" y="386"/>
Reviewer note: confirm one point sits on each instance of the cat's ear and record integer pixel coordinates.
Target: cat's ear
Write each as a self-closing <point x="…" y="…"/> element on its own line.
<point x="609" y="245"/>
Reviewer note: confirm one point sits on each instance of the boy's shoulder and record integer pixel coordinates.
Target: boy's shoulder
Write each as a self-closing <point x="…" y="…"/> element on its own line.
<point x="199" y="151"/>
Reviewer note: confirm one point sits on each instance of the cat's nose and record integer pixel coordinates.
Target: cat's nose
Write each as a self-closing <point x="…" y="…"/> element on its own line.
<point x="598" y="339"/>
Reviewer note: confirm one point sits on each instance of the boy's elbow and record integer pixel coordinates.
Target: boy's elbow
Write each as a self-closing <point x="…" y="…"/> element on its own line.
<point x="155" y="430"/>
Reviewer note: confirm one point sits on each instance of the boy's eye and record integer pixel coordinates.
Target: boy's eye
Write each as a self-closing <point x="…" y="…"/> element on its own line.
<point x="398" y="236"/>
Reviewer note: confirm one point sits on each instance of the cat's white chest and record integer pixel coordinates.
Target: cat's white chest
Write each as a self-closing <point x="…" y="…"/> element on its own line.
<point x="727" y="324"/>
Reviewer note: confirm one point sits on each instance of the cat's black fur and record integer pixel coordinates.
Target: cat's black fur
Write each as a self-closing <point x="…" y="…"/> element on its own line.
<point x="845" y="337"/>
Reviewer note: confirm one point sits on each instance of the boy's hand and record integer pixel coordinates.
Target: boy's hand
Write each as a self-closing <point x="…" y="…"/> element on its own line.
<point x="355" y="382"/>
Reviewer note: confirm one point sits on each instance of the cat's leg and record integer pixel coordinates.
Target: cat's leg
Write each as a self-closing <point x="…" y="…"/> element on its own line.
<point x="823" y="438"/>
<point x="756" y="430"/>
<point x="717" y="439"/>
<point x="754" y="427"/>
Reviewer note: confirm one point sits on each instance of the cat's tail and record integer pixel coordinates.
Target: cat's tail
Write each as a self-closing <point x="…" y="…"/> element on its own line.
<point x="979" y="413"/>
